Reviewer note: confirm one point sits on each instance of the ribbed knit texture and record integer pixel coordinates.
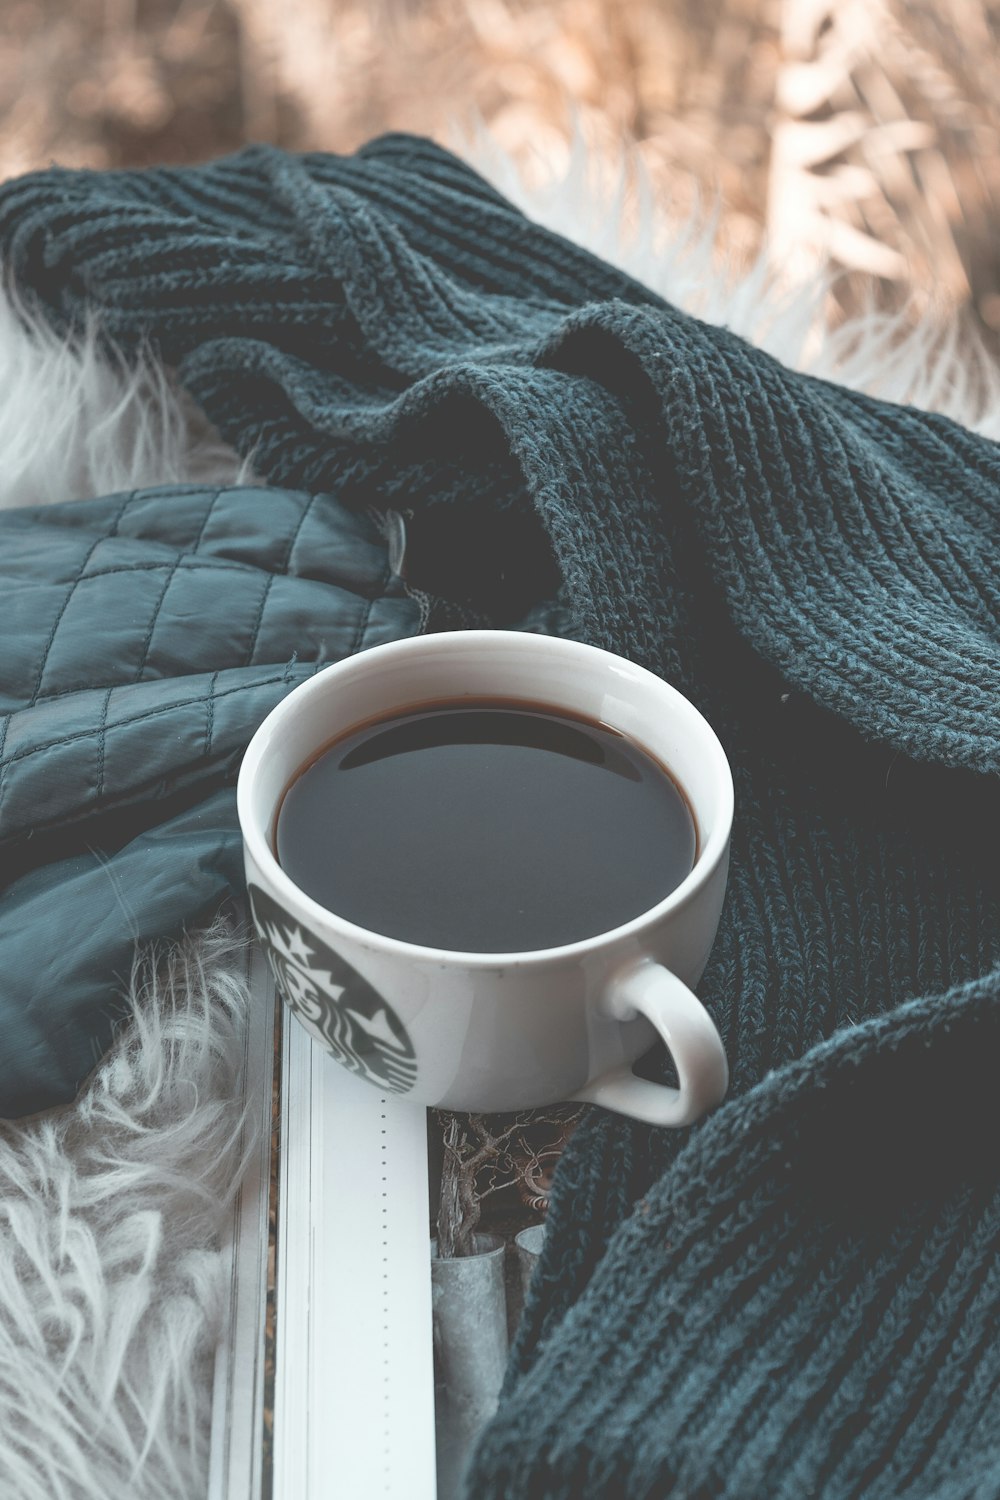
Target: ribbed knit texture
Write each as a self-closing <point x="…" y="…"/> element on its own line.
<point x="801" y="1297"/>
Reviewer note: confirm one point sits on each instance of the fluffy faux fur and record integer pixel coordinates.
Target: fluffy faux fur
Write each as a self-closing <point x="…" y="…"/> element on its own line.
<point x="75" y="422"/>
<point x="113" y="1211"/>
<point x="112" y="1283"/>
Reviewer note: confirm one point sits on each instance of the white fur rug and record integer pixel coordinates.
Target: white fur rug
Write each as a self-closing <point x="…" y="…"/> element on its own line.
<point x="113" y="1211"/>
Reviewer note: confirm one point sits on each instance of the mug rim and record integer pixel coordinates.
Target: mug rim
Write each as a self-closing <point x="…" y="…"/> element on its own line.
<point x="714" y="844"/>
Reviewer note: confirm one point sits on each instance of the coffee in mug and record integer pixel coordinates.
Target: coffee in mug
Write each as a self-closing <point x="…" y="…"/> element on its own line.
<point x="486" y="868"/>
<point x="486" y="827"/>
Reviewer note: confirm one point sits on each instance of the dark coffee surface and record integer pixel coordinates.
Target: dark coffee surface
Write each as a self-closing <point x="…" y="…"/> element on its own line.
<point x="486" y="829"/>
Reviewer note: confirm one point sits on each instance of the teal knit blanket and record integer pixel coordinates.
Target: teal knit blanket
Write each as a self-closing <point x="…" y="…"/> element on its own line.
<point x="800" y="1296"/>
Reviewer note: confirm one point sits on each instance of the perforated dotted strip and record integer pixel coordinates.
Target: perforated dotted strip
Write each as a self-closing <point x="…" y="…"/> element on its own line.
<point x="386" y="1376"/>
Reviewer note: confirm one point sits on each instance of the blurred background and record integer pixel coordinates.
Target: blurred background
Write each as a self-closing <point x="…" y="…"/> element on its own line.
<point x="867" y="130"/>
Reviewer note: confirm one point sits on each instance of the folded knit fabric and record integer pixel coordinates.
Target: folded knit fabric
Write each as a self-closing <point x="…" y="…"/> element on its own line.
<point x="802" y="1295"/>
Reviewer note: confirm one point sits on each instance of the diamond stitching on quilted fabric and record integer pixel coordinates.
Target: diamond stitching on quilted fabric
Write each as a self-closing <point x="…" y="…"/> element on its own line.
<point x="157" y="607"/>
<point x="255" y="632"/>
<point x="102" y="744"/>
<point x="3" y="740"/>
<point x="149" y="713"/>
<point x="66" y="609"/>
<point x="210" y="715"/>
<point x="359" y="634"/>
<point x="219" y="565"/>
<point x="47" y="649"/>
<point x="287" y="560"/>
<point x="213" y="502"/>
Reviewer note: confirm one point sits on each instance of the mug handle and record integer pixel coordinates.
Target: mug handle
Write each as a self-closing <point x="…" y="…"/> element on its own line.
<point x="694" y="1044"/>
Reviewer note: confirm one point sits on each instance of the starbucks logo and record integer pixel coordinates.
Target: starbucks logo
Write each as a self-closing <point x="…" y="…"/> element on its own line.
<point x="338" y="1006"/>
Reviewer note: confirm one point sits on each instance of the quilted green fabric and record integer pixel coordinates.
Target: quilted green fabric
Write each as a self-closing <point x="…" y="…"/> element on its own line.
<point x="145" y="637"/>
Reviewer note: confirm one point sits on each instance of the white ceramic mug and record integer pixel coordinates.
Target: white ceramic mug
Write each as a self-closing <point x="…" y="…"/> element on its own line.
<point x="480" y="1031"/>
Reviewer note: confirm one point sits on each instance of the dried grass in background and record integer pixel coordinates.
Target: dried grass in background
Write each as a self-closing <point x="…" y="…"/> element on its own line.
<point x="865" y="130"/>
